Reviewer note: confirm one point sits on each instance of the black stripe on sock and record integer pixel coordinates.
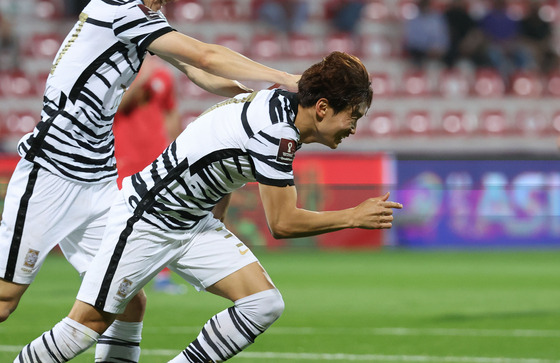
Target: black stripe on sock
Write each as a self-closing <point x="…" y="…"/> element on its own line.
<point x="49" y="349"/>
<point x="212" y="345"/>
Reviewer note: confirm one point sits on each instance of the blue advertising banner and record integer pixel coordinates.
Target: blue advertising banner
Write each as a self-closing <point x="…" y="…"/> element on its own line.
<point x="478" y="203"/>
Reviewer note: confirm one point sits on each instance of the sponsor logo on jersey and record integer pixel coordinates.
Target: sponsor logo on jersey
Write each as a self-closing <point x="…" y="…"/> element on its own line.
<point x="150" y="14"/>
<point x="286" y="151"/>
<point x="240" y="245"/>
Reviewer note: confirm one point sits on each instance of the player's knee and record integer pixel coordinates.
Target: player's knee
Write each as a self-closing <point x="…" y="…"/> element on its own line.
<point x="137" y="306"/>
<point x="263" y="308"/>
<point x="6" y="308"/>
<point x="140" y="300"/>
<point x="4" y="314"/>
<point x="10" y="295"/>
<point x="274" y="308"/>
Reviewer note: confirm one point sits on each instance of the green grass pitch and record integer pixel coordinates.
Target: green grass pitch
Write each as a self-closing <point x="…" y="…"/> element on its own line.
<point x="384" y="306"/>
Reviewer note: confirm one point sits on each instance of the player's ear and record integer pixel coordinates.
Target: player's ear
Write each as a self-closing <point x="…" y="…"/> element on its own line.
<point x="321" y="108"/>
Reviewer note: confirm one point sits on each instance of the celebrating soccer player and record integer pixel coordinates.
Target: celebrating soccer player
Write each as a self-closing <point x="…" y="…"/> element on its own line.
<point x="163" y="214"/>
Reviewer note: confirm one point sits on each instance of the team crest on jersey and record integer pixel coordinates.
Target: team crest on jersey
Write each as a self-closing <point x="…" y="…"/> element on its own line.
<point x="286" y="151"/>
<point x="150" y="14"/>
<point x="124" y="287"/>
<point x="31" y="258"/>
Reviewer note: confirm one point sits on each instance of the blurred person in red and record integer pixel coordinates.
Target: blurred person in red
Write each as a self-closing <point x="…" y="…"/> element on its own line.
<point x="147" y="119"/>
<point x="146" y="122"/>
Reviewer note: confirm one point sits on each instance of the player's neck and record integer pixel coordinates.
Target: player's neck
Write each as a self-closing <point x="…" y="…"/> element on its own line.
<point x="306" y="123"/>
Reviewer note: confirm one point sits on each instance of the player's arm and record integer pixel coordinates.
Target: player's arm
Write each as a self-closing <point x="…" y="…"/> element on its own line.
<point x="173" y="124"/>
<point x="220" y="209"/>
<point x="218" y="60"/>
<point x="286" y="220"/>
<point x="136" y="94"/>
<point x="214" y="84"/>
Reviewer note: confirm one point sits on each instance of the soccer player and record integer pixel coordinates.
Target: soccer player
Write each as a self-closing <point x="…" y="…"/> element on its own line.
<point x="64" y="184"/>
<point x="162" y="217"/>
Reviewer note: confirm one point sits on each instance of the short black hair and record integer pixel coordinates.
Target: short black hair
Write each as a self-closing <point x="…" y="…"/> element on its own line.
<point x="341" y="78"/>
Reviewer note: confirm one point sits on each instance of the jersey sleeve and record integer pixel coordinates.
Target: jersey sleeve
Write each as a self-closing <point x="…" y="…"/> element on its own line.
<point x="138" y="24"/>
<point x="272" y="151"/>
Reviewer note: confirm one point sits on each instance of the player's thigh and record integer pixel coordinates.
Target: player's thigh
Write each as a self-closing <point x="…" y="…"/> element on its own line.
<point x="246" y="281"/>
<point x="217" y="261"/>
<point x="11" y="293"/>
<point x="81" y="244"/>
<point x="129" y="257"/>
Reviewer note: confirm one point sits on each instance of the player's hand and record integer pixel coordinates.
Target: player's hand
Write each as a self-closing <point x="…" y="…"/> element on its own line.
<point x="290" y="83"/>
<point x="375" y="213"/>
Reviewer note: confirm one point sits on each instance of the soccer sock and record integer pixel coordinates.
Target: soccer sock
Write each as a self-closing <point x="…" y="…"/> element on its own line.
<point x="234" y="329"/>
<point x="63" y="342"/>
<point x="119" y="343"/>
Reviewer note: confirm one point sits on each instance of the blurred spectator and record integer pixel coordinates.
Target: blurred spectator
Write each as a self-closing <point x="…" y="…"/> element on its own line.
<point x="537" y="37"/>
<point x="9" y="46"/>
<point x="345" y="15"/>
<point x="466" y="41"/>
<point x="502" y="33"/>
<point x="147" y="119"/>
<point x="286" y="16"/>
<point x="426" y="36"/>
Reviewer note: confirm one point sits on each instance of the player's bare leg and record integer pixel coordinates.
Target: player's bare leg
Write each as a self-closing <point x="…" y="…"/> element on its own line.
<point x="120" y="342"/>
<point x="10" y="295"/>
<point x="257" y="304"/>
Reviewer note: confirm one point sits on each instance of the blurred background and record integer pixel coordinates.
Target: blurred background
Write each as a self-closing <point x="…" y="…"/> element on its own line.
<point x="463" y="129"/>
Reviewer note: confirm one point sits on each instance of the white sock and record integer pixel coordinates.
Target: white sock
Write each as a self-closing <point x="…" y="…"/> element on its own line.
<point x="119" y="343"/>
<point x="234" y="329"/>
<point x="63" y="342"/>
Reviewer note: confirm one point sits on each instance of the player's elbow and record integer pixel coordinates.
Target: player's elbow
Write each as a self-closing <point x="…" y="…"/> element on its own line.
<point x="280" y="230"/>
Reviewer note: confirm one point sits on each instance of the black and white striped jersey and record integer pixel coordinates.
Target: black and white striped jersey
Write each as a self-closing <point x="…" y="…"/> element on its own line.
<point x="251" y="137"/>
<point x="96" y="63"/>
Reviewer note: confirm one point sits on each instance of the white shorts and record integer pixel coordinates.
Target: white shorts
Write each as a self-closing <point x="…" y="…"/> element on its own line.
<point x="132" y="253"/>
<point x="42" y="210"/>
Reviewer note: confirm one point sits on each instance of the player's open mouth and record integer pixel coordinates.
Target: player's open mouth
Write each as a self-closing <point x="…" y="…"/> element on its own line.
<point x="342" y="137"/>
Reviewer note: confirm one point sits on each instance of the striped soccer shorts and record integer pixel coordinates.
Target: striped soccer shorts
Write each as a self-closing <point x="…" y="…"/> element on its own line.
<point x="42" y="210"/>
<point x="134" y="251"/>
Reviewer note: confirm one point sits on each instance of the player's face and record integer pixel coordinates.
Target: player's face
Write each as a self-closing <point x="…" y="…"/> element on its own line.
<point x="341" y="125"/>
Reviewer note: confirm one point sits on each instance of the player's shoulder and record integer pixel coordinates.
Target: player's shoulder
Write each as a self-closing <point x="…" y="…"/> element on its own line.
<point x="275" y="114"/>
<point x="276" y="98"/>
<point x="129" y="9"/>
<point x="281" y="106"/>
<point x="114" y="10"/>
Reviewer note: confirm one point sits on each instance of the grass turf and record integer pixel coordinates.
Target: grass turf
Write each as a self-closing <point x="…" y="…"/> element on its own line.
<point x="388" y="306"/>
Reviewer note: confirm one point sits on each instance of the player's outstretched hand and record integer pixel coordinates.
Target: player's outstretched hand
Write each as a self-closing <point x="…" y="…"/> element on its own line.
<point x="376" y="213"/>
<point x="290" y="83"/>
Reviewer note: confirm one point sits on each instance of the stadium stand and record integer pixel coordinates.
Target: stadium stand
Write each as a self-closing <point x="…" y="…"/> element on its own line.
<point x="424" y="106"/>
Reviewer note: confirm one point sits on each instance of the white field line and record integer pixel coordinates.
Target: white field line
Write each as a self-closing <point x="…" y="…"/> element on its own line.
<point x="521" y="333"/>
<point x="337" y="357"/>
